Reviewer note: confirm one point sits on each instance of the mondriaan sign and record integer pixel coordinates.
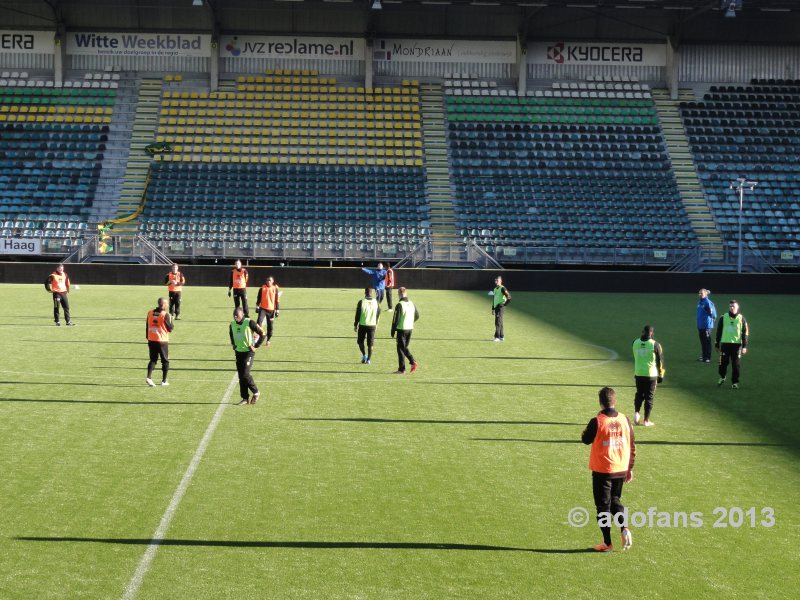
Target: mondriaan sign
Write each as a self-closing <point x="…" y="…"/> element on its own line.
<point x="576" y="53"/>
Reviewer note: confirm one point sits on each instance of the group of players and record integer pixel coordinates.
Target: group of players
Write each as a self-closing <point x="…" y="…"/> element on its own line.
<point x="610" y="434"/>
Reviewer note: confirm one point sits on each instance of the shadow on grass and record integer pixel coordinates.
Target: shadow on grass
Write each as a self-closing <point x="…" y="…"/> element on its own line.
<point x="303" y="544"/>
<point x="64" y="383"/>
<point x="614" y="320"/>
<point x="600" y="359"/>
<point x="232" y="369"/>
<point x="640" y="442"/>
<point x="141" y="342"/>
<point x="112" y="402"/>
<point x="595" y="386"/>
<point x="431" y="421"/>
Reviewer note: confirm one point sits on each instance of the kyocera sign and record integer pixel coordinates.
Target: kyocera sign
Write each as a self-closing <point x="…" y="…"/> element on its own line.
<point x="571" y="53"/>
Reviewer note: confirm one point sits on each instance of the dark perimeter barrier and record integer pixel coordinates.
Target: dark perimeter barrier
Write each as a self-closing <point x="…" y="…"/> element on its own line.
<point x="421" y="279"/>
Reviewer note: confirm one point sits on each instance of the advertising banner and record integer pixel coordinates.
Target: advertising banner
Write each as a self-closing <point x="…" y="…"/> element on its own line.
<point x="601" y="53"/>
<point x="455" y="51"/>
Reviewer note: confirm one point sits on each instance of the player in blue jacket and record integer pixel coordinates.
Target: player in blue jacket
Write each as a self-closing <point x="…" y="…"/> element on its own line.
<point x="377" y="281"/>
<point x="706" y="315"/>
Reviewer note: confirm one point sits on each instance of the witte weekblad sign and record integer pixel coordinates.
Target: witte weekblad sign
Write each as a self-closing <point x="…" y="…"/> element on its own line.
<point x="455" y="51"/>
<point x="139" y="44"/>
<point x="26" y="42"/>
<point x="291" y="47"/>
<point x="27" y="246"/>
<point x="613" y="54"/>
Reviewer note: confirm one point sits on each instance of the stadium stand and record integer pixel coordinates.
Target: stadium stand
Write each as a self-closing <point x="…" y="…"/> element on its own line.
<point x="754" y="132"/>
<point x="305" y="154"/>
<point x="52" y="144"/>
<point x="580" y="164"/>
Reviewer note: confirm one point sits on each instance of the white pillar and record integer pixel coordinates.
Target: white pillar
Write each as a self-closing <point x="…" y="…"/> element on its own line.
<point x="213" y="65"/>
<point x="368" y="65"/>
<point x="522" y="66"/>
<point x="673" y="66"/>
<point x="59" y="58"/>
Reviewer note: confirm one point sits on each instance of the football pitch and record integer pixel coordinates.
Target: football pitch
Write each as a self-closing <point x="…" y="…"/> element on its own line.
<point x="346" y="481"/>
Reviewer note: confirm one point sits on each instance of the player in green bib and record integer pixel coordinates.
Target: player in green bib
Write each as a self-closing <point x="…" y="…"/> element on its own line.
<point x="648" y="372"/>
<point x="500" y="298"/>
<point x="405" y="315"/>
<point x="368" y="311"/>
<point x="246" y="335"/>
<point x="732" y="338"/>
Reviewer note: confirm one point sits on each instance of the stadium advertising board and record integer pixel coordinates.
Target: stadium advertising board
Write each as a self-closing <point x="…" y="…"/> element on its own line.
<point x="26" y="42"/>
<point x="138" y="44"/>
<point x="21" y="246"/>
<point x="605" y="53"/>
<point x="439" y="51"/>
<point x="291" y="47"/>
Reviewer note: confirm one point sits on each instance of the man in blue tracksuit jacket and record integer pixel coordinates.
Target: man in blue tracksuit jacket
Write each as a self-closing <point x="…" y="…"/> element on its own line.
<point x="377" y="281"/>
<point x="706" y="315"/>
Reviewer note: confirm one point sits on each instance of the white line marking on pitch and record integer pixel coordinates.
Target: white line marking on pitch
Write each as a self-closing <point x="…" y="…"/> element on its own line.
<point x="149" y="554"/>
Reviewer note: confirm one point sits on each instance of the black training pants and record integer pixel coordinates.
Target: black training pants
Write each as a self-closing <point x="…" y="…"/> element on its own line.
<point x="705" y="343"/>
<point x="389" y="298"/>
<point x="645" y="393"/>
<point x="240" y="297"/>
<point x="158" y="350"/>
<point x="498" y="321"/>
<point x="403" y="340"/>
<point x="175" y="303"/>
<point x="60" y="299"/>
<point x="244" y="362"/>
<point x="730" y="353"/>
<point x="367" y="333"/>
<point x="607" y="491"/>
<point x="269" y="317"/>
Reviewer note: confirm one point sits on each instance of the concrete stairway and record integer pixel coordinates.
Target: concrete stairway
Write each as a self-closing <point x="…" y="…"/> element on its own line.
<point x="109" y="185"/>
<point x="685" y="170"/>
<point x="142" y="133"/>
<point x="437" y="173"/>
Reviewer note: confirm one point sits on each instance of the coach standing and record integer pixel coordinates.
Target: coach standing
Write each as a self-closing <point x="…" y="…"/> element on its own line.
<point x="706" y="313"/>
<point x="243" y="333"/>
<point x="732" y="338"/>
<point x="159" y="326"/>
<point x="238" y="283"/>
<point x="611" y="461"/>
<point x="58" y="283"/>
<point x="175" y="282"/>
<point x="378" y="278"/>
<point x="405" y="315"/>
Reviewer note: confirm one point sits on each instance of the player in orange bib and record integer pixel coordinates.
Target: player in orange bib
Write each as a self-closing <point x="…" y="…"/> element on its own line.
<point x="238" y="284"/>
<point x="159" y="326"/>
<point x="611" y="461"/>
<point x="175" y="282"/>
<point x="58" y="283"/>
<point x="268" y="302"/>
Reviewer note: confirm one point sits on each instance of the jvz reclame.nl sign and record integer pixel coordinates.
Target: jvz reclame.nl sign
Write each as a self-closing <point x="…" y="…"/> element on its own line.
<point x="291" y="47"/>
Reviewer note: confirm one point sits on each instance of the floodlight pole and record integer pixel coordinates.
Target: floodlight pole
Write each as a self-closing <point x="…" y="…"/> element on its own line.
<point x="739" y="186"/>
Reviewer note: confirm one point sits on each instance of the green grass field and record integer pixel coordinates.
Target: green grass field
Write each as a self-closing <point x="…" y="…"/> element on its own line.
<point x="346" y="481"/>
